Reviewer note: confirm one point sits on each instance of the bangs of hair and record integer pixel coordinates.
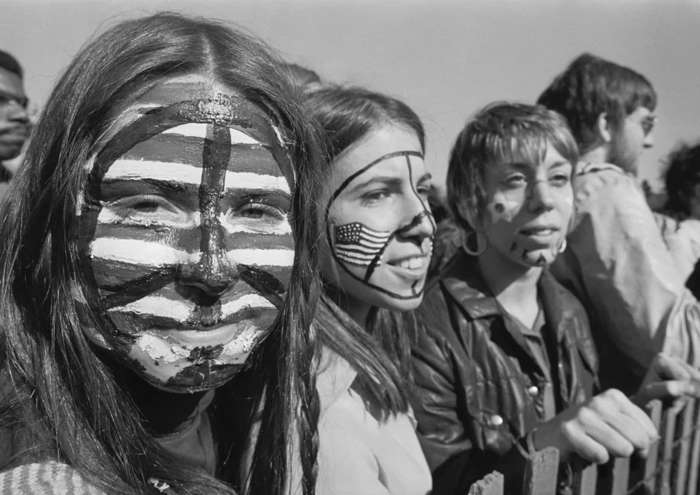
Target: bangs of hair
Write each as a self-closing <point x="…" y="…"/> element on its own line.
<point x="502" y="133"/>
<point x="637" y="92"/>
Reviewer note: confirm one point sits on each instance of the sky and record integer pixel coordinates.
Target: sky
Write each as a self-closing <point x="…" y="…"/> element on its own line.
<point x="445" y="58"/>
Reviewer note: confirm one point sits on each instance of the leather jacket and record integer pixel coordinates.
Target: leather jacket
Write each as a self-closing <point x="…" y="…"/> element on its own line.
<point x="479" y="387"/>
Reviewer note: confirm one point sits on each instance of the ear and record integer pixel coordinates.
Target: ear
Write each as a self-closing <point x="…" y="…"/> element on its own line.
<point x="604" y="128"/>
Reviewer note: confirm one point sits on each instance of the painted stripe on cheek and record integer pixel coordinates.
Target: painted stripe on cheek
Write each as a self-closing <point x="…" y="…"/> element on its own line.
<point x="158" y="306"/>
<point x="244" y="302"/>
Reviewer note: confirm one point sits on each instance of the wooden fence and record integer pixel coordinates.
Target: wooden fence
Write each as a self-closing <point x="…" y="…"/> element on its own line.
<point x="671" y="468"/>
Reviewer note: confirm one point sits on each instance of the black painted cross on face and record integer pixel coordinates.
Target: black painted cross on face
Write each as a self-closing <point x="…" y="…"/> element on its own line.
<point x="379" y="225"/>
<point x="185" y="235"/>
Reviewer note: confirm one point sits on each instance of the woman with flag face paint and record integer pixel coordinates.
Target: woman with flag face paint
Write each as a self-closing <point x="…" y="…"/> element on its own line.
<point x="150" y="249"/>
<point x="374" y="261"/>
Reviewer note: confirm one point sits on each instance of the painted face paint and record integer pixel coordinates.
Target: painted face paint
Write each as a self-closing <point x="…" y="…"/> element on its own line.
<point x="185" y="236"/>
<point x="529" y="208"/>
<point x="380" y="227"/>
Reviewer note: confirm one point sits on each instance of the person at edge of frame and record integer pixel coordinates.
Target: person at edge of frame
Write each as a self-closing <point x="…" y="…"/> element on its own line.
<point x="505" y="364"/>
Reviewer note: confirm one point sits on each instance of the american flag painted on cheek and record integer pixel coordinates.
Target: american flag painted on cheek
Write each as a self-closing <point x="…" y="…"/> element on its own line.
<point x="357" y="244"/>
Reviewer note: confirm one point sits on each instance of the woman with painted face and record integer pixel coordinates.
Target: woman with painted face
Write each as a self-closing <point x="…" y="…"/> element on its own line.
<point x="506" y="364"/>
<point x="374" y="260"/>
<point x="155" y="237"/>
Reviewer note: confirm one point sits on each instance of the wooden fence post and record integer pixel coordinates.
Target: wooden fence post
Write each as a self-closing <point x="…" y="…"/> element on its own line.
<point x="586" y="481"/>
<point x="643" y="474"/>
<point x="682" y="457"/>
<point x="541" y="472"/>
<point x="491" y="484"/>
<point x="668" y="434"/>
<point x="694" y="464"/>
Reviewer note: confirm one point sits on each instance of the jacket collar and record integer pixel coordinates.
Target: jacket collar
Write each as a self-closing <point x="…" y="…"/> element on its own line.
<point x="462" y="279"/>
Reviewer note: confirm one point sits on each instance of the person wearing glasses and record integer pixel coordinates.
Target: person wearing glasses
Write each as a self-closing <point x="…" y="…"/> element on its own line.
<point x="14" y="119"/>
<point x="617" y="262"/>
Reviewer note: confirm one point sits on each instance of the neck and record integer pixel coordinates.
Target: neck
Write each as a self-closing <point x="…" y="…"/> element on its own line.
<point x="356" y="309"/>
<point x="162" y="411"/>
<point x="513" y="285"/>
<point x="599" y="154"/>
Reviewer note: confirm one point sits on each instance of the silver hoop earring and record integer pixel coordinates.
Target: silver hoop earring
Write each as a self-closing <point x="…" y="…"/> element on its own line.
<point x="479" y="240"/>
<point x="562" y="246"/>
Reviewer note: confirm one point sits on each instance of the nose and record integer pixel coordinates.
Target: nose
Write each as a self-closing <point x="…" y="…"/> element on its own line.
<point x="205" y="280"/>
<point x="17" y="112"/>
<point x="648" y="140"/>
<point x="540" y="197"/>
<point x="419" y="223"/>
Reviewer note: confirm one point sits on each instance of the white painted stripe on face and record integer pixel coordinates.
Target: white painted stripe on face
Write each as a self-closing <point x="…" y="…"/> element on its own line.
<point x="127" y="169"/>
<point x="155" y="254"/>
<point x="179" y="310"/>
<point x="232" y="225"/>
<point x="199" y="130"/>
<point x="240" y="137"/>
<point x="192" y="129"/>
<point x="244" y="302"/>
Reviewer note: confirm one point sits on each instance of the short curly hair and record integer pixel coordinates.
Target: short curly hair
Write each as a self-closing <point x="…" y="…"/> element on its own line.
<point x="591" y="85"/>
<point x="682" y="175"/>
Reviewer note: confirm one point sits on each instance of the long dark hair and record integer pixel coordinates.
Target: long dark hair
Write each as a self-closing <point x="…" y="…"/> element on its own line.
<point x="56" y="391"/>
<point x="380" y="352"/>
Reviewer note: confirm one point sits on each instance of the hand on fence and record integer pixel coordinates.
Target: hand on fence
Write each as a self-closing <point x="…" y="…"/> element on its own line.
<point x="608" y="425"/>
<point x="669" y="379"/>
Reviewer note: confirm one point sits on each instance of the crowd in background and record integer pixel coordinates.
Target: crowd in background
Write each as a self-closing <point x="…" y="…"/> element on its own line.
<point x="222" y="273"/>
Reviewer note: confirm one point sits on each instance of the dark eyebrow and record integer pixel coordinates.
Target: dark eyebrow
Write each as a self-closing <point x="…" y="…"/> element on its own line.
<point x="520" y="166"/>
<point x="387" y="180"/>
<point x="426" y="177"/>
<point x="138" y="186"/>
<point x="561" y="163"/>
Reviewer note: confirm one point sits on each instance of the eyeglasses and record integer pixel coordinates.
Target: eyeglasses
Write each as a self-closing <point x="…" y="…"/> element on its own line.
<point x="7" y="98"/>
<point x="648" y="124"/>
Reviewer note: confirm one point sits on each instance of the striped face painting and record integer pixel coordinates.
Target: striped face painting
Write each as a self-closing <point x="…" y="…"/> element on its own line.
<point x="185" y="235"/>
<point x="378" y="222"/>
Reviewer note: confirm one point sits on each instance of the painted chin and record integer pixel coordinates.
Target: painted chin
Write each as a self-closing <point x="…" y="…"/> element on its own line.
<point x="193" y="360"/>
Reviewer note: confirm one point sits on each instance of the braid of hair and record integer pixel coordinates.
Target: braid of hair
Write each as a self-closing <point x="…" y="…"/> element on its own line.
<point x="309" y="410"/>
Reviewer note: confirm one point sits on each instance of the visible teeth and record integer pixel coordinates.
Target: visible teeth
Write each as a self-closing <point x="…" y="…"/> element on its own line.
<point x="411" y="263"/>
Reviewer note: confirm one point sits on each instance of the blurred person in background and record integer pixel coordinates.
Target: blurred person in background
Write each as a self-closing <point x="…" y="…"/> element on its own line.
<point x="14" y="119"/>
<point x="617" y="262"/>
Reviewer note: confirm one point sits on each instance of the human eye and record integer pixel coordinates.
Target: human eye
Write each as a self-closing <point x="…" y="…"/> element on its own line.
<point x="648" y="124"/>
<point x="257" y="209"/>
<point x="515" y="181"/>
<point x="374" y="196"/>
<point x="145" y="207"/>
<point x="559" y="180"/>
<point x="424" y="189"/>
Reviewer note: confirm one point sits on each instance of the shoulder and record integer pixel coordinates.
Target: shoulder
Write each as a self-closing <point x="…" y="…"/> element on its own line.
<point x="600" y="177"/>
<point x="45" y="478"/>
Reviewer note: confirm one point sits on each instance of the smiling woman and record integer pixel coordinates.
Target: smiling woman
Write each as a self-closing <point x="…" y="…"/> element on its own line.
<point x="156" y="236"/>
<point x="374" y="263"/>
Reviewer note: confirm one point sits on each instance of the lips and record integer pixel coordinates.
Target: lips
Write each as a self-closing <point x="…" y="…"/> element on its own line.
<point x="14" y="134"/>
<point x="411" y="267"/>
<point x="539" y="231"/>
